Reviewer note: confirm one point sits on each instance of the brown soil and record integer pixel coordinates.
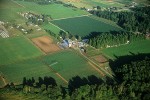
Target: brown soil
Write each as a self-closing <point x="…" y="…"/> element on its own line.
<point x="100" y="59"/>
<point x="46" y="44"/>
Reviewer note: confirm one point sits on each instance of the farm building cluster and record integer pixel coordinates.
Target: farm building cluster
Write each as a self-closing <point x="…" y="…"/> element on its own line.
<point x="3" y="31"/>
<point x="68" y="43"/>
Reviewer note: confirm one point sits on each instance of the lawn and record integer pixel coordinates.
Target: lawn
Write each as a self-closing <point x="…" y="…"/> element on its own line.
<point x="135" y="47"/>
<point x="83" y="26"/>
<point x="69" y="64"/>
<point x="15" y="49"/>
<point x="55" y="10"/>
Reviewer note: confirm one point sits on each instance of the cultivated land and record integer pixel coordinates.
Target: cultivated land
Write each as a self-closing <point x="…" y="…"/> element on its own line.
<point x="46" y="44"/>
<point x="70" y="64"/>
<point x="28" y="68"/>
<point x="135" y="47"/>
<point x="54" y="10"/>
<point x="85" y="25"/>
<point x="17" y="48"/>
<point x="91" y="3"/>
<point x="8" y="10"/>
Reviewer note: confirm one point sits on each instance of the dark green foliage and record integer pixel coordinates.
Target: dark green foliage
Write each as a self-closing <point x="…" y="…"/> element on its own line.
<point x="138" y="21"/>
<point x="111" y="39"/>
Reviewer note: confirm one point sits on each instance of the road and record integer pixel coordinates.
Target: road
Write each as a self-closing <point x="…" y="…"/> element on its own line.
<point x="101" y="69"/>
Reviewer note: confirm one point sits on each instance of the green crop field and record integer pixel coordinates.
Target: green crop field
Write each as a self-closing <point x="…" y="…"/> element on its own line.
<point x="16" y="48"/>
<point x="51" y="27"/>
<point x="28" y="68"/>
<point x="55" y="10"/>
<point x="85" y="25"/>
<point x="70" y="64"/>
<point x="93" y="3"/>
<point x="135" y="47"/>
<point x="8" y="10"/>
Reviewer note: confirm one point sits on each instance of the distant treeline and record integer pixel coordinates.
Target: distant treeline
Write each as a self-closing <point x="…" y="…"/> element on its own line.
<point x="110" y="39"/>
<point x="137" y="20"/>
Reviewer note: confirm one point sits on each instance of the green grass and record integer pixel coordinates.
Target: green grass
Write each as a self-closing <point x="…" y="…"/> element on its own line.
<point x="9" y="11"/>
<point x="27" y="68"/>
<point x="70" y="64"/>
<point x="51" y="27"/>
<point x="135" y="47"/>
<point x="83" y="26"/>
<point x="15" y="49"/>
<point x="55" y="10"/>
<point x="93" y="3"/>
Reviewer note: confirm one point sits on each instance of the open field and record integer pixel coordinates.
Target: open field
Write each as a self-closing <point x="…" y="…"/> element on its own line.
<point x="100" y="58"/>
<point x="8" y="11"/>
<point x="46" y="44"/>
<point x="62" y="66"/>
<point x="70" y="64"/>
<point x="51" y="27"/>
<point x="16" y="49"/>
<point x="55" y="10"/>
<point x="85" y="25"/>
<point x="28" y="68"/>
<point x="135" y="47"/>
<point x="93" y="3"/>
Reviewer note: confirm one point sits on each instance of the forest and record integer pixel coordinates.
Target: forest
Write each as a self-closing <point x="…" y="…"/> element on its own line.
<point x="137" y="20"/>
<point x="114" y="38"/>
<point x="131" y="82"/>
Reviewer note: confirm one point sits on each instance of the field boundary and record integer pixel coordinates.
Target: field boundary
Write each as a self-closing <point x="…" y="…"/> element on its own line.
<point x="18" y="4"/>
<point x="89" y="60"/>
<point x="55" y="72"/>
<point x="57" y="27"/>
<point x="72" y="17"/>
<point x="100" y="72"/>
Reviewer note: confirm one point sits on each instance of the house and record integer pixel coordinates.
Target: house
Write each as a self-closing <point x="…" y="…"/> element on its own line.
<point x="148" y="36"/>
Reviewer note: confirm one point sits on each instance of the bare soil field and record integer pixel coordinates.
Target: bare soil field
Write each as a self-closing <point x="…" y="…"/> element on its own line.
<point x="100" y="59"/>
<point x="46" y="44"/>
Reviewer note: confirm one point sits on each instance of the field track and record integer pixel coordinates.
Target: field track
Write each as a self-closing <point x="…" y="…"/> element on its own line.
<point x="62" y="78"/>
<point x="57" y="27"/>
<point x="72" y="17"/>
<point x="107" y="73"/>
<point x="100" y="72"/>
<point x="18" y="4"/>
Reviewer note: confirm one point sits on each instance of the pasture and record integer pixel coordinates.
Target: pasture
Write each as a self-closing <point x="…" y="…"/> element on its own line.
<point x="54" y="10"/>
<point x="70" y="64"/>
<point x="92" y="3"/>
<point x="85" y="25"/>
<point x="135" y="47"/>
<point x="9" y="10"/>
<point x="28" y="68"/>
<point x="17" y="48"/>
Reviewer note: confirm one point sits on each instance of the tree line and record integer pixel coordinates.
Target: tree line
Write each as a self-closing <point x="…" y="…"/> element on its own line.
<point x="137" y="20"/>
<point x="114" y="38"/>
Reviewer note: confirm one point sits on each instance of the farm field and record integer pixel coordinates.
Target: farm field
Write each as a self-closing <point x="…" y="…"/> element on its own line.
<point x="135" y="47"/>
<point x="16" y="49"/>
<point x="85" y="25"/>
<point x="70" y="64"/>
<point x="8" y="11"/>
<point x="91" y="3"/>
<point x="55" y="10"/>
<point x="28" y="68"/>
<point x="51" y="27"/>
<point x="46" y="44"/>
